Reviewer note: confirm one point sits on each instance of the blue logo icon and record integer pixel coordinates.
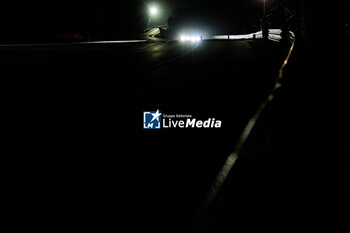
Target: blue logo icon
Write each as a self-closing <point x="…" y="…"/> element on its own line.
<point x="151" y="120"/>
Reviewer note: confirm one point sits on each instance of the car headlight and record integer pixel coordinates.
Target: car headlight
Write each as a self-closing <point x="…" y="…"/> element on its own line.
<point x="191" y="38"/>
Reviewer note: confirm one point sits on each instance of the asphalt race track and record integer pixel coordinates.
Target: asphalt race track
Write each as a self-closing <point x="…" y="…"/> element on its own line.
<point x="76" y="114"/>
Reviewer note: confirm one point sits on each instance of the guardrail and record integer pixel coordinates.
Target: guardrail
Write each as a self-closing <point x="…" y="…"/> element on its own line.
<point x="274" y="35"/>
<point x="232" y="158"/>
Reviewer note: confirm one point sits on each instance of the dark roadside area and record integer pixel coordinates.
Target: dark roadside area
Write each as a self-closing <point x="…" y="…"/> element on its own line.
<point x="293" y="173"/>
<point x="80" y="156"/>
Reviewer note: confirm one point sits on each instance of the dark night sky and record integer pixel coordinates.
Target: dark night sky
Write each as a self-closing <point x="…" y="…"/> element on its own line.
<point x="106" y="19"/>
<point x="101" y="18"/>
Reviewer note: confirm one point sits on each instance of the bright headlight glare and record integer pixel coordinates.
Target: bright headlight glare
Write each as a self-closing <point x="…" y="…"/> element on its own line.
<point x="195" y="38"/>
<point x="190" y="38"/>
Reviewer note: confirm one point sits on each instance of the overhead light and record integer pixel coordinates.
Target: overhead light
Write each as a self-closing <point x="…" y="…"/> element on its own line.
<point x="153" y="10"/>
